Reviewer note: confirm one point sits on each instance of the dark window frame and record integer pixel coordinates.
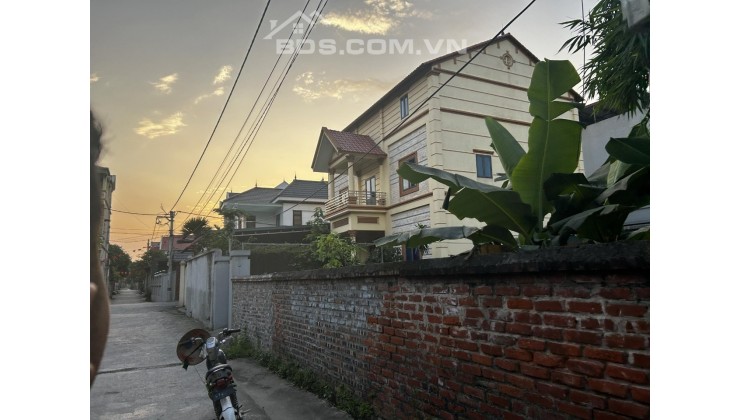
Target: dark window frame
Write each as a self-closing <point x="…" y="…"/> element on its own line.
<point x="480" y="169"/>
<point x="412" y="188"/>
<point x="298" y="213"/>
<point x="404" y="106"/>
<point x="250" y="222"/>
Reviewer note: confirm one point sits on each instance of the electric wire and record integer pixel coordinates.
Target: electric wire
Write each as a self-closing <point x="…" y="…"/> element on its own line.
<point x="377" y="144"/>
<point x="416" y="110"/>
<point x="236" y="80"/>
<point x="236" y="138"/>
<point x="135" y="213"/>
<point x="256" y="126"/>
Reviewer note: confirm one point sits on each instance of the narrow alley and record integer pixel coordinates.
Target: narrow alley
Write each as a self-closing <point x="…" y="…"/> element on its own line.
<point x="141" y="376"/>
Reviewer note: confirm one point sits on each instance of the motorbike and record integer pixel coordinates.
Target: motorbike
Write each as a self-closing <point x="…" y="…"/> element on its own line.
<point x="198" y="345"/>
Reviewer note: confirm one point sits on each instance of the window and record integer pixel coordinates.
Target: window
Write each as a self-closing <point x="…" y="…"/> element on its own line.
<point x="297" y="217"/>
<point x="251" y="222"/>
<point x="483" y="166"/>
<point x="370" y="191"/>
<point x="277" y="220"/>
<point x="405" y="185"/>
<point x="404" y="106"/>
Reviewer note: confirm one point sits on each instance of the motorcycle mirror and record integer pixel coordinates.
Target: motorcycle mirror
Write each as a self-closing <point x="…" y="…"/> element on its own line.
<point x="188" y="350"/>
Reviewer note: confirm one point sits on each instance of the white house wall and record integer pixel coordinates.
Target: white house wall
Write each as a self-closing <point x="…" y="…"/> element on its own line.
<point x="595" y="136"/>
<point x="409" y="219"/>
<point x="307" y="211"/>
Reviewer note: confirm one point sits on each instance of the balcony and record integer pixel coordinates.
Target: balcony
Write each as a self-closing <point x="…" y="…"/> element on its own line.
<point x="355" y="199"/>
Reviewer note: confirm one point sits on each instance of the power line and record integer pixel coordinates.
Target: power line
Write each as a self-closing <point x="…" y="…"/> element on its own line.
<point x="236" y="80"/>
<point x="236" y="138"/>
<point x="377" y="144"/>
<point x="256" y="126"/>
<point x="138" y="214"/>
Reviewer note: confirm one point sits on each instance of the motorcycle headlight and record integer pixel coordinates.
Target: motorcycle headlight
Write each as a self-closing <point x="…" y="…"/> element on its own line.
<point x="211" y="347"/>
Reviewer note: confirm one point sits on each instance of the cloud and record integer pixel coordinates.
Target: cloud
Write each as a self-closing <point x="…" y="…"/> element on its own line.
<point x="166" y="127"/>
<point x="379" y="18"/>
<point x="94" y="78"/>
<point x="218" y="92"/>
<point x="223" y="75"/>
<point x="165" y="83"/>
<point x="311" y="89"/>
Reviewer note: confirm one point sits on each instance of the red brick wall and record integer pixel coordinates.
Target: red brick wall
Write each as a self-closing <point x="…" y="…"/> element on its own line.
<point x="559" y="334"/>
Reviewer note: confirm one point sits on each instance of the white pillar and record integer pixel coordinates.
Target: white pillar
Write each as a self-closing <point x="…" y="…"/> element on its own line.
<point x="331" y="184"/>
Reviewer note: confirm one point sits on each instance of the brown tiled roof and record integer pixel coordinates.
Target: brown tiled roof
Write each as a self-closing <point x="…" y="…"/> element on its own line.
<point x="346" y="142"/>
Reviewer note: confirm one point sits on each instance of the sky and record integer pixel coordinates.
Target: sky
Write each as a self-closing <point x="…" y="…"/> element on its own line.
<point x="161" y="72"/>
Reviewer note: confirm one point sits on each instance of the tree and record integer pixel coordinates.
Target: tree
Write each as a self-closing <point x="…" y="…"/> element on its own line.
<point x="328" y="249"/>
<point x="154" y="260"/>
<point x="223" y="238"/>
<point x="120" y="262"/>
<point x="198" y="228"/>
<point x="333" y="251"/>
<point x="619" y="70"/>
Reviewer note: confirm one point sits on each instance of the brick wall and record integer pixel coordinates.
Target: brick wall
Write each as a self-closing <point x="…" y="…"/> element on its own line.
<point x="561" y="333"/>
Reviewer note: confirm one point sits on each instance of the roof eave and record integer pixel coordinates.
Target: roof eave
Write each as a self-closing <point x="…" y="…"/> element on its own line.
<point x="315" y="164"/>
<point x="427" y="66"/>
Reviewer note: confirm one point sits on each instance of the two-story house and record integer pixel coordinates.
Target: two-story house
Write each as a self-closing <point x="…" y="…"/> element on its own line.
<point x="278" y="214"/>
<point x="366" y="197"/>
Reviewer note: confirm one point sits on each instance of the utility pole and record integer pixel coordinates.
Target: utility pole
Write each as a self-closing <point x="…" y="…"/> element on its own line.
<point x="169" y="261"/>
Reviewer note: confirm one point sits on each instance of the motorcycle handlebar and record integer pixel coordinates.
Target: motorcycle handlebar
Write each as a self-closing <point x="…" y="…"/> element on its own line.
<point x="227" y="332"/>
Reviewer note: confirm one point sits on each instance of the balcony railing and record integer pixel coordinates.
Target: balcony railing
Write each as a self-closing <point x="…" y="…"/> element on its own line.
<point x="355" y="198"/>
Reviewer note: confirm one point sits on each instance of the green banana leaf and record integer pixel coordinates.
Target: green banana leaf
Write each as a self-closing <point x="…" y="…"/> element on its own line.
<point x="554" y="147"/>
<point x="632" y="190"/>
<point x="601" y="224"/>
<point x="418" y="173"/>
<point x="570" y="194"/>
<point x="494" y="234"/>
<point x="487" y="203"/>
<point x="550" y="80"/>
<point x="631" y="150"/>
<point x="642" y="234"/>
<point x="509" y="150"/>
<point x="418" y="237"/>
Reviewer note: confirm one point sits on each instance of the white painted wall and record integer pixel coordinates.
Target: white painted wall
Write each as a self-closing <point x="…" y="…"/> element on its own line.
<point x="407" y="220"/>
<point x="595" y="136"/>
<point x="162" y="287"/>
<point x="221" y="298"/>
<point x="307" y="210"/>
<point x="198" y="285"/>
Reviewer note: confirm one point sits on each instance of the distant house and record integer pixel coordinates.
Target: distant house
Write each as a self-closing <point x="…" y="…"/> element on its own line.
<point x="180" y="247"/>
<point x="600" y="126"/>
<point x="107" y="184"/>
<point x="279" y="214"/>
<point x="366" y="197"/>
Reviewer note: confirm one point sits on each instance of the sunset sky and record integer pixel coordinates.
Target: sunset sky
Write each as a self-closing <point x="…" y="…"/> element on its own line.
<point x="160" y="73"/>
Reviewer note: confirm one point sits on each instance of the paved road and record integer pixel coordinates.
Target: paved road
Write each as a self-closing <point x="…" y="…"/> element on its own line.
<point x="141" y="377"/>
